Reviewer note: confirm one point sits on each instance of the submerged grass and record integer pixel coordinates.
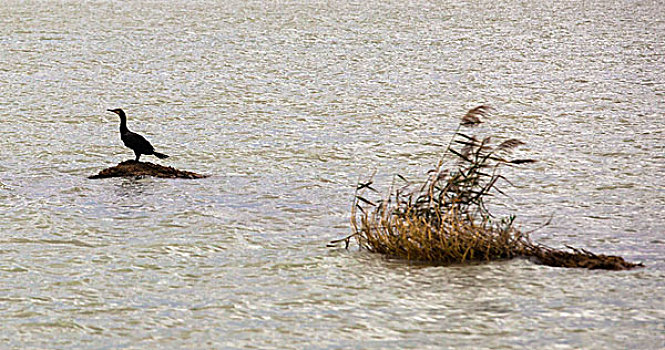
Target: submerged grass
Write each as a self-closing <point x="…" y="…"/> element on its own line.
<point x="445" y="220"/>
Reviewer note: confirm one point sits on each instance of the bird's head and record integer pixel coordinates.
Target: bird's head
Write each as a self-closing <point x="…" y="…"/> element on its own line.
<point x="117" y="111"/>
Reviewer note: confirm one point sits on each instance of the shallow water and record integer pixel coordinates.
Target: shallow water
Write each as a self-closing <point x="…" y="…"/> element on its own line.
<point x="287" y="104"/>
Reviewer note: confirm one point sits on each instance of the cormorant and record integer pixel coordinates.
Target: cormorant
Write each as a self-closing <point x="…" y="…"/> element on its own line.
<point x="136" y="142"/>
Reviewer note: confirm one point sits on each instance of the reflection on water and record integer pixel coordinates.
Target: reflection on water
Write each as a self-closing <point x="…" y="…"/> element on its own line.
<point x="287" y="105"/>
<point x="132" y="187"/>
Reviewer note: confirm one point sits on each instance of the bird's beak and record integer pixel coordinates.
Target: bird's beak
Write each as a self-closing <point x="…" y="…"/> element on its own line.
<point x="110" y="110"/>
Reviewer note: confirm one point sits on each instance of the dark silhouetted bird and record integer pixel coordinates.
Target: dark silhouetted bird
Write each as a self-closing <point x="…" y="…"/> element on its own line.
<point x="136" y="142"/>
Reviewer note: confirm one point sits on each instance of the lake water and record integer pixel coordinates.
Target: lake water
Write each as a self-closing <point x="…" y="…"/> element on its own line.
<point x="287" y="104"/>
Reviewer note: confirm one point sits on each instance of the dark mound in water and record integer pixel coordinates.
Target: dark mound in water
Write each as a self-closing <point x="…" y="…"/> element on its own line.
<point x="131" y="168"/>
<point x="578" y="258"/>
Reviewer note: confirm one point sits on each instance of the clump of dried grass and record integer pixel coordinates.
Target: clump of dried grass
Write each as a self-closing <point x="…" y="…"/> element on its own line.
<point x="445" y="219"/>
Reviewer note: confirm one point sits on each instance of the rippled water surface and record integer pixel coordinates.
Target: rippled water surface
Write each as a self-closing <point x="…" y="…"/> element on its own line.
<point x="286" y="104"/>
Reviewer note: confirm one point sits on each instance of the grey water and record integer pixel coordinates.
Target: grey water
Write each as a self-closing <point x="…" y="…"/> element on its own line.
<point x="287" y="104"/>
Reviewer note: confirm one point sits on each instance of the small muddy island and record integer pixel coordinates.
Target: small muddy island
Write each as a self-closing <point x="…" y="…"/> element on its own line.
<point x="132" y="168"/>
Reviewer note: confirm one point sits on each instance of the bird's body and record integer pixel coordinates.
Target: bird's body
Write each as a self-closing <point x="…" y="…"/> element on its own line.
<point x="132" y="140"/>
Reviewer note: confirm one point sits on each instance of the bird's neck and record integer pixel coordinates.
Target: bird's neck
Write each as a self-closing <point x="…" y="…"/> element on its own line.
<point x="123" y="124"/>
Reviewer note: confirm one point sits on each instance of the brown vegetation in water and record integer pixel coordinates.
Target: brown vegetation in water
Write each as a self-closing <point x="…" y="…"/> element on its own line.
<point x="131" y="168"/>
<point x="577" y="258"/>
<point x="445" y="220"/>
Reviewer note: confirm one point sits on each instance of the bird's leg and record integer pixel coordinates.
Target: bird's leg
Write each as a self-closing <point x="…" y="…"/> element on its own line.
<point x="138" y="155"/>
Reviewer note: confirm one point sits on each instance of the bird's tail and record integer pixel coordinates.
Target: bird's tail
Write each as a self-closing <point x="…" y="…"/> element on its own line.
<point x="160" y="155"/>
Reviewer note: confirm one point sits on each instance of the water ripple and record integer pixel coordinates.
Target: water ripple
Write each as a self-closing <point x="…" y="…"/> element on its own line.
<point x="287" y="105"/>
